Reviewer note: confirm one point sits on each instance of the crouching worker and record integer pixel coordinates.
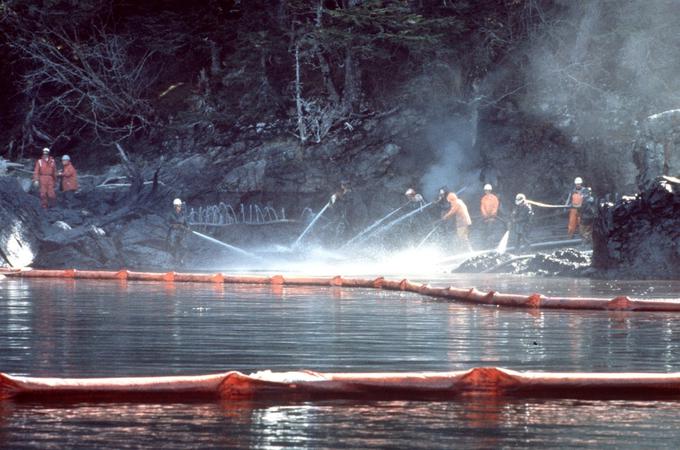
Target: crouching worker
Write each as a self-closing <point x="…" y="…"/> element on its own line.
<point x="521" y="222"/>
<point x="463" y="222"/>
<point x="178" y="229"/>
<point x="69" y="181"/>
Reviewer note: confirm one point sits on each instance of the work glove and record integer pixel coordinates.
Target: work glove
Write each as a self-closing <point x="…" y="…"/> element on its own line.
<point x="334" y="198"/>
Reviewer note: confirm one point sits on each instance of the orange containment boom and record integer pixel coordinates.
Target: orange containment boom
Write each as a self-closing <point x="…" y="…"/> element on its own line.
<point x="473" y="295"/>
<point x="308" y="385"/>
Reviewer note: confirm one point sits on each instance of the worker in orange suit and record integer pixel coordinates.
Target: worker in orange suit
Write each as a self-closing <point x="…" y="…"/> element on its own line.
<point x="489" y="208"/>
<point x="69" y="180"/>
<point x="45" y="176"/>
<point x="574" y="202"/>
<point x="459" y="210"/>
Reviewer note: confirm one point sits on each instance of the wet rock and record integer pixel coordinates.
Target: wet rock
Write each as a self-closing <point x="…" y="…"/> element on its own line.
<point x="640" y="236"/>
<point x="62" y="225"/>
<point x="21" y="224"/>
<point x="90" y="251"/>
<point x="564" y="262"/>
<point x="567" y="262"/>
<point x="483" y="263"/>
<point x="143" y="242"/>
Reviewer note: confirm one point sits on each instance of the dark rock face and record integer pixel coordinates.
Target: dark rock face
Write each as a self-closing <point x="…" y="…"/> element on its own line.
<point x="640" y="237"/>
<point x="21" y="225"/>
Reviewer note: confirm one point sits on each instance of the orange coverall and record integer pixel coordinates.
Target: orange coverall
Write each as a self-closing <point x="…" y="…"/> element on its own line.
<point x="576" y="199"/>
<point x="489" y="206"/>
<point x="463" y="222"/>
<point x="69" y="180"/>
<point x="45" y="173"/>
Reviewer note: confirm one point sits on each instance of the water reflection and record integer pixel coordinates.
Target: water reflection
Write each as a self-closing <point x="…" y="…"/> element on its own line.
<point x="488" y="423"/>
<point x="80" y="327"/>
<point x="88" y="328"/>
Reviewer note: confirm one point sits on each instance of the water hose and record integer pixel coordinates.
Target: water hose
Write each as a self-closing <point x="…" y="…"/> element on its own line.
<point x="545" y="205"/>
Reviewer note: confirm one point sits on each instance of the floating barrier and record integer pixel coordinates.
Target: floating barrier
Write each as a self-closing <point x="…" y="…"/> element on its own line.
<point x="473" y="295"/>
<point x="309" y="385"/>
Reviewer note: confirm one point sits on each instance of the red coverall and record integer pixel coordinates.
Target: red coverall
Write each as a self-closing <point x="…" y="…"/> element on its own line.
<point x="69" y="180"/>
<point x="45" y="173"/>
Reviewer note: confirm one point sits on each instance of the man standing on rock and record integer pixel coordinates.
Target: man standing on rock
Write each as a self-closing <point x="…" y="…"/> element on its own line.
<point x="69" y="180"/>
<point x="349" y="211"/>
<point x="520" y="224"/>
<point x="416" y="223"/>
<point x="415" y="199"/>
<point x="459" y="209"/>
<point x="489" y="205"/>
<point x="178" y="228"/>
<point x="588" y="213"/>
<point x="574" y="202"/>
<point x="45" y="176"/>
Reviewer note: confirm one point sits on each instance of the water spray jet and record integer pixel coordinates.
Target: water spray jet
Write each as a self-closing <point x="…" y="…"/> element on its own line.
<point x="224" y="244"/>
<point x="311" y="224"/>
<point x="389" y="225"/>
<point x="374" y="224"/>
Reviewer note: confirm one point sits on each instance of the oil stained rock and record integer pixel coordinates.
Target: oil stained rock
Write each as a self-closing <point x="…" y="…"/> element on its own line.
<point x="640" y="236"/>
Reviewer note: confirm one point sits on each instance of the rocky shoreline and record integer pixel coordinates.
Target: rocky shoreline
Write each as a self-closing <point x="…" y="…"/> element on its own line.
<point x="124" y="226"/>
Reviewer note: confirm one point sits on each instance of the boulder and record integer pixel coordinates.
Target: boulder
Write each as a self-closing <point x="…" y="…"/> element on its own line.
<point x="640" y="236"/>
<point x="21" y="224"/>
<point x="563" y="262"/>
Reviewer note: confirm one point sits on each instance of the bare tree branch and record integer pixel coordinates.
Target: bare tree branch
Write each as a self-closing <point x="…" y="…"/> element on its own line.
<point x="97" y="83"/>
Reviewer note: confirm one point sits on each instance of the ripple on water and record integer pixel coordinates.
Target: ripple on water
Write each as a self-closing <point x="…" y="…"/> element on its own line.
<point x="86" y="328"/>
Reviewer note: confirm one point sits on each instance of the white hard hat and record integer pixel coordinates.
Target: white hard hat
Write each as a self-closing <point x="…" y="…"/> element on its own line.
<point x="410" y="191"/>
<point x="66" y="158"/>
<point x="487" y="187"/>
<point x="578" y="180"/>
<point x="520" y="198"/>
<point x="177" y="202"/>
<point x="46" y="150"/>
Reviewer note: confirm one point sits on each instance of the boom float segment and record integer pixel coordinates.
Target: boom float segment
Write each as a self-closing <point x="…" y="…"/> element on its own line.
<point x="309" y="385"/>
<point x="473" y="295"/>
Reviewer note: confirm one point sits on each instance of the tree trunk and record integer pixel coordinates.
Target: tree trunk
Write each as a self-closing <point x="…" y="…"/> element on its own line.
<point x="323" y="62"/>
<point x="302" y="128"/>
<point x="214" y="59"/>
<point x="352" y="89"/>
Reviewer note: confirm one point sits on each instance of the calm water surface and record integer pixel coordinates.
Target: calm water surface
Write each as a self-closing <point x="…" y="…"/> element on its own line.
<point x="84" y="328"/>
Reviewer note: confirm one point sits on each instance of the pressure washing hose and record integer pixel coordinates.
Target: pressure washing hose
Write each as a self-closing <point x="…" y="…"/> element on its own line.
<point x="224" y="244"/>
<point x="435" y="228"/>
<point x="311" y="224"/>
<point x="375" y="224"/>
<point x="546" y="205"/>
